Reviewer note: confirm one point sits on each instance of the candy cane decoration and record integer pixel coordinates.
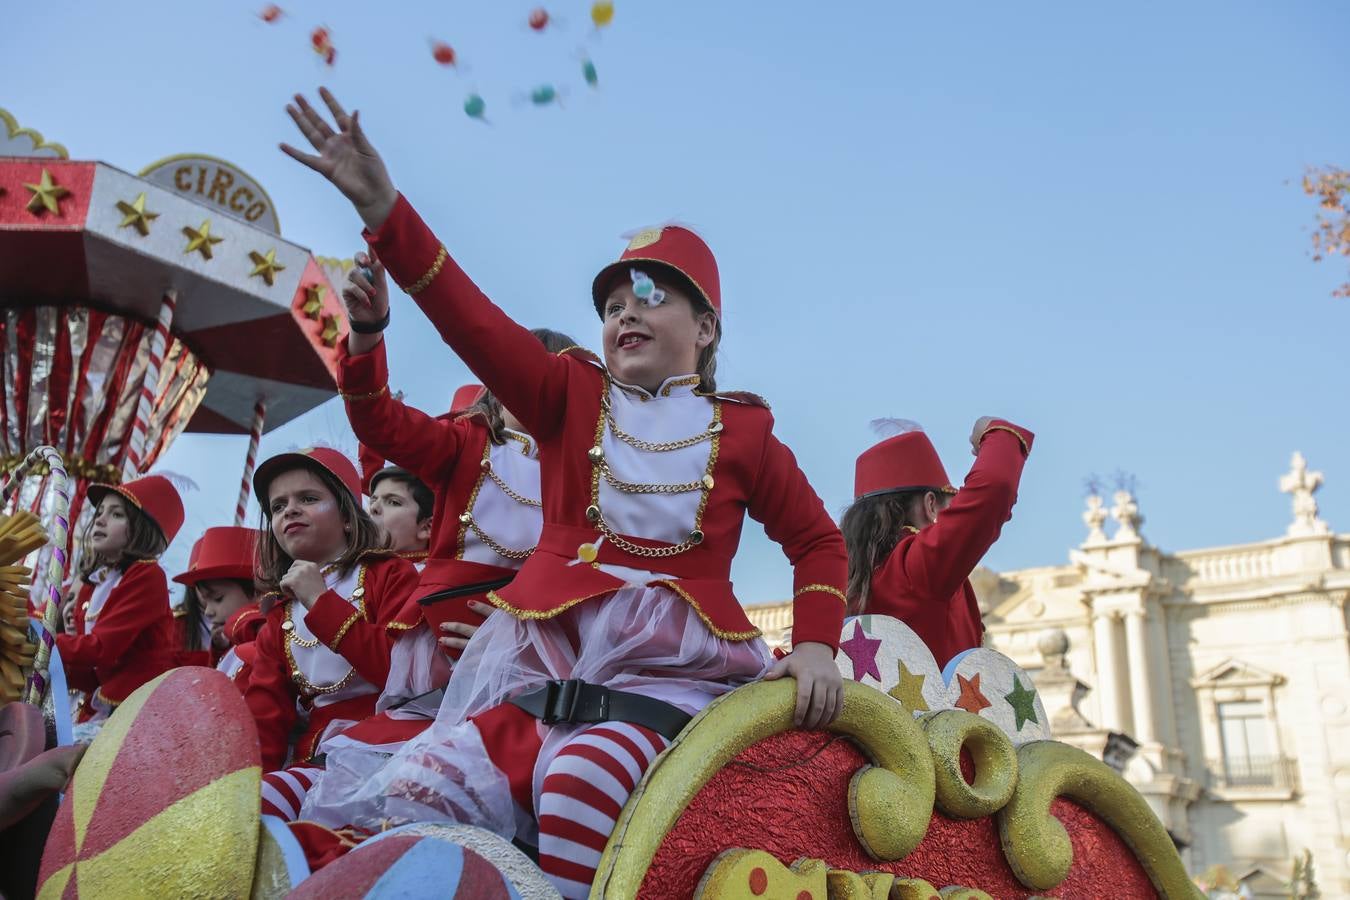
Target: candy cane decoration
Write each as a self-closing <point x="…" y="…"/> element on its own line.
<point x="58" y="532"/>
<point x="250" y="460"/>
<point x="159" y="343"/>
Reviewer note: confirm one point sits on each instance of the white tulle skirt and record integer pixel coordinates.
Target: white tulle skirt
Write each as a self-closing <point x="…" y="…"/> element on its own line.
<point x="647" y="640"/>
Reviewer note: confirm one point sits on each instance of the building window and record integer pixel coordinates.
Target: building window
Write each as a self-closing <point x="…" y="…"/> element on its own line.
<point x="1249" y="760"/>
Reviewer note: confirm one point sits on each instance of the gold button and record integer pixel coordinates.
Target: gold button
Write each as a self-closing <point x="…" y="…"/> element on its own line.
<point x="715" y="428"/>
<point x="466" y="518"/>
<point x="295" y="674"/>
<point x="486" y="465"/>
<point x="288" y="626"/>
<point x="358" y="593"/>
<point x="587" y="553"/>
<point x="708" y="482"/>
<point x="596" y="453"/>
<point x="695" y="537"/>
<point x="593" y="513"/>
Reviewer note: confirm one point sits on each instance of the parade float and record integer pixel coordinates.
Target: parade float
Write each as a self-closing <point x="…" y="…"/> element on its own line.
<point x="930" y="784"/>
<point x="137" y="307"/>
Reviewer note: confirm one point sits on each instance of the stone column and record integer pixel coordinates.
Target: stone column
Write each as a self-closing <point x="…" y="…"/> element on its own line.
<point x="1108" y="670"/>
<point x="1141" y="687"/>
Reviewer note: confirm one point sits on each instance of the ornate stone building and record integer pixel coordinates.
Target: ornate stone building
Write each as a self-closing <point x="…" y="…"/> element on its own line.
<point x="1218" y="678"/>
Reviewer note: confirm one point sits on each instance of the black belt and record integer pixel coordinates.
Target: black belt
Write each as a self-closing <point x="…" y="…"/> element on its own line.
<point x="576" y="702"/>
<point x="467" y="590"/>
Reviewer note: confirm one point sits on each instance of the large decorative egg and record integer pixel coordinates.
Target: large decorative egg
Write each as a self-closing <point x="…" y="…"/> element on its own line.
<point x="404" y="863"/>
<point x="165" y="801"/>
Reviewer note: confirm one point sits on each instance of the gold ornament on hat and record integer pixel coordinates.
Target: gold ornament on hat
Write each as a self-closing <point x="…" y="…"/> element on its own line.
<point x="135" y="215"/>
<point x="645" y="238"/>
<point x="47" y="195"/>
<point x="201" y="239"/>
<point x="265" y="265"/>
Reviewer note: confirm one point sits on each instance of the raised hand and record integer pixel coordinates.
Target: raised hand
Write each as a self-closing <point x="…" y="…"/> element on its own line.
<point x="345" y="157"/>
<point x="977" y="433"/>
<point x="366" y="299"/>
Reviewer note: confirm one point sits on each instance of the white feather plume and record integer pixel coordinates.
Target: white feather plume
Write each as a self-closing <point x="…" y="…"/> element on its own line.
<point x="890" y="427"/>
<point x="179" y="480"/>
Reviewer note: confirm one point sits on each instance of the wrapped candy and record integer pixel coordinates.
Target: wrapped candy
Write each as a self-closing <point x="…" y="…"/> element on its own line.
<point x="270" y="13"/>
<point x="475" y="107"/>
<point x="538" y="19"/>
<point x="602" y="13"/>
<point x="544" y="95"/>
<point x="645" y="289"/>
<point x="588" y="72"/>
<point x="443" y="53"/>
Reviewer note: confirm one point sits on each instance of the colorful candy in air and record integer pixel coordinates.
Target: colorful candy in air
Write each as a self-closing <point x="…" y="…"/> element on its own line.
<point x="270" y="13"/>
<point x="544" y="95"/>
<point x="443" y="53"/>
<point x="474" y="107"/>
<point x="322" y="42"/>
<point x="538" y="18"/>
<point x="602" y="13"/>
<point x="588" y="72"/>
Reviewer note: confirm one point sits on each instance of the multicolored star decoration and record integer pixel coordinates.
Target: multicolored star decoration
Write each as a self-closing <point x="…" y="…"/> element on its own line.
<point x="313" y="305"/>
<point x="971" y="699"/>
<point x="331" y="331"/>
<point x="201" y="239"/>
<point x="909" y="690"/>
<point x="862" y="652"/>
<point x="265" y="265"/>
<point x="47" y="195"/>
<point x="135" y="215"/>
<point x="1023" y="702"/>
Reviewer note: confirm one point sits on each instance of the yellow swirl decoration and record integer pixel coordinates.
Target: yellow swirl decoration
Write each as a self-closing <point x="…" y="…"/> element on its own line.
<point x="990" y="749"/>
<point x="892" y="803"/>
<point x="1035" y="842"/>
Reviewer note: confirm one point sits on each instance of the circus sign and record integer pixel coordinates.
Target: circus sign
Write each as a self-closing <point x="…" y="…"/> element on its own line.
<point x="206" y="179"/>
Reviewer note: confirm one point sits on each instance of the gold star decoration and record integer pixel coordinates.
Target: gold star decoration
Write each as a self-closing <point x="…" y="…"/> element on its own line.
<point x="136" y="215"/>
<point x="909" y="691"/>
<point x="313" y="304"/>
<point x="265" y="266"/>
<point x="330" y="332"/>
<point x="47" y="195"/>
<point x="201" y="239"/>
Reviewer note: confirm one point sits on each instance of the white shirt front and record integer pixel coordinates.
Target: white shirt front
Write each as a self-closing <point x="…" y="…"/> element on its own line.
<point x="508" y="522"/>
<point x="103" y="580"/>
<point x="319" y="665"/>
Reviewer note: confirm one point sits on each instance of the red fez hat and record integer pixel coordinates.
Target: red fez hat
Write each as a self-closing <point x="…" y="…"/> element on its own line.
<point x="674" y="248"/>
<point x="222" y="552"/>
<point x="334" y="462"/>
<point x="905" y="462"/>
<point x="466" y="395"/>
<point x="153" y="495"/>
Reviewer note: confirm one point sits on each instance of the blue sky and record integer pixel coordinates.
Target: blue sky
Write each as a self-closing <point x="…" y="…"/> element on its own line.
<point x="1083" y="218"/>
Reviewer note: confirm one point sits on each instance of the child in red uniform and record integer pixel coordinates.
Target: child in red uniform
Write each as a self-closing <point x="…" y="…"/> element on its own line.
<point x="626" y="605"/>
<point x="913" y="539"/>
<point x="325" y="646"/>
<point x="220" y="584"/>
<point x="485" y="471"/>
<point x="124" y="628"/>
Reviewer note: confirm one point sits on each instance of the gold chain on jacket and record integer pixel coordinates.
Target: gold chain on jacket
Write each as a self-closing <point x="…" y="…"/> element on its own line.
<point x="289" y="637"/>
<point x="466" y="519"/>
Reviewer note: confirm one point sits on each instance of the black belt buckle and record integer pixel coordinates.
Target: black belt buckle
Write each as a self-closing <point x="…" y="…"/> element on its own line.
<point x="568" y="702"/>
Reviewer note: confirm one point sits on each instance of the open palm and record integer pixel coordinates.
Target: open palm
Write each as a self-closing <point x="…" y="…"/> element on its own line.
<point x="345" y="157"/>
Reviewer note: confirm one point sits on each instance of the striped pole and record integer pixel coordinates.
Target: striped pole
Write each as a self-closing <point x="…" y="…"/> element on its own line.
<point x="159" y="343"/>
<point x="250" y="460"/>
<point x="59" y="532"/>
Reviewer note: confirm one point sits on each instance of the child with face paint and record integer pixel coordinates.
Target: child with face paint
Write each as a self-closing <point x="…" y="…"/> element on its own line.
<point x="324" y="649"/>
<point x="623" y="623"/>
<point x="124" y="629"/>
<point x="913" y="539"/>
<point x="220" y="588"/>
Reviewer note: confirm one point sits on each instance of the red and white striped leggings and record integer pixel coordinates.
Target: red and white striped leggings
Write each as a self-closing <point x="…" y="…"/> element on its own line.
<point x="584" y="789"/>
<point x="284" y="790"/>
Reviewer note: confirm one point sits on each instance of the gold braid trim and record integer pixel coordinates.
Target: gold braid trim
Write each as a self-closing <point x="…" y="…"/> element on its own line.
<point x="718" y="632"/>
<point x="342" y="632"/>
<point x="354" y="398"/>
<point x="823" y="589"/>
<point x="421" y="283"/>
<point x="519" y="613"/>
<point x="1013" y="431"/>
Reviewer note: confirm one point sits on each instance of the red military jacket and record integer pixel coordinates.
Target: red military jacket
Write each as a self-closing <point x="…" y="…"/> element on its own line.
<point x="925" y="581"/>
<point x="241" y="630"/>
<point x="361" y="636"/>
<point x="559" y="398"/>
<point x="132" y="640"/>
<point x="450" y="454"/>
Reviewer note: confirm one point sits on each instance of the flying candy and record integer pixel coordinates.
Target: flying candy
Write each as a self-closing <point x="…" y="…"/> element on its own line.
<point x="475" y="107"/>
<point x="443" y="53"/>
<point x="538" y="18"/>
<point x="270" y="13"/>
<point x="319" y="37"/>
<point x="602" y="13"/>
<point x="544" y="95"/>
<point x="330" y="55"/>
<point x="588" y="73"/>
<point x="645" y="289"/>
